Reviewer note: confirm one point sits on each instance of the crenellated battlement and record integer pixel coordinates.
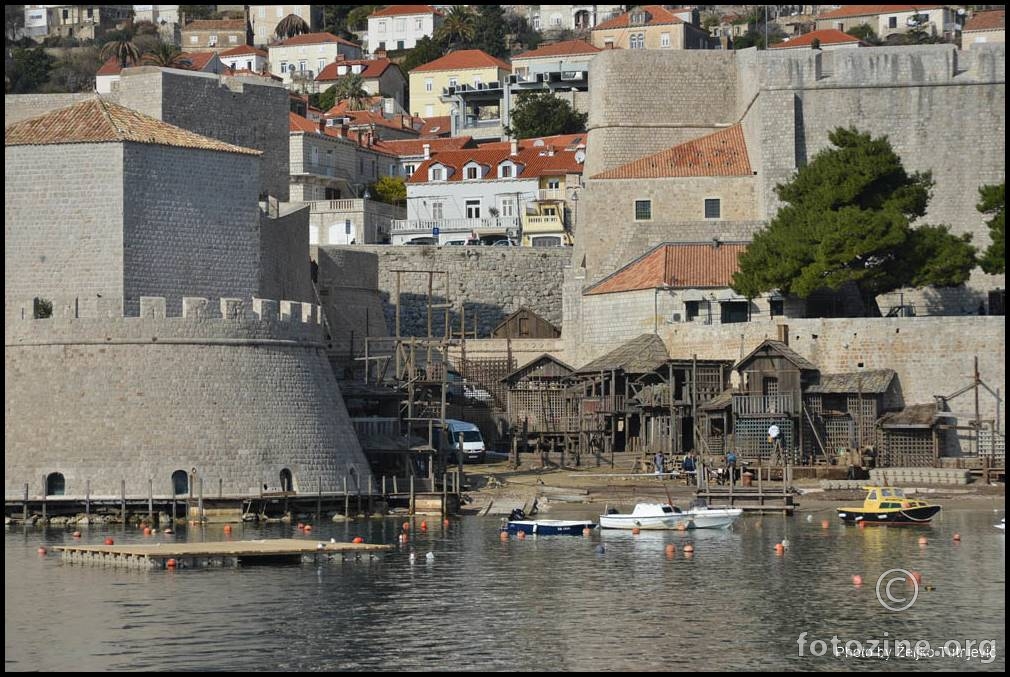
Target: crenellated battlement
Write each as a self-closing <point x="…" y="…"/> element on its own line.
<point x="193" y="308"/>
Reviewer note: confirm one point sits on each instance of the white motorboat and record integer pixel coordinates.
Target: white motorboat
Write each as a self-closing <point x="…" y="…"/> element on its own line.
<point x="1002" y="525"/>
<point x="646" y="516"/>
<point x="666" y="516"/>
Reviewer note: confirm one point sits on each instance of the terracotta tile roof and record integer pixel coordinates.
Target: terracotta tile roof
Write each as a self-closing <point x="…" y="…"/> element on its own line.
<point x="871" y="10"/>
<point x="314" y="39"/>
<point x="242" y="50"/>
<point x="297" y="123"/>
<point x="463" y="59"/>
<point x="658" y="16"/>
<point x="566" y="48"/>
<point x="374" y="103"/>
<point x="372" y="117"/>
<point x="100" y="121"/>
<point x="407" y="147"/>
<point x="400" y="10"/>
<point x="199" y="60"/>
<point x="112" y="67"/>
<point x="216" y="25"/>
<point x="558" y="141"/>
<point x="437" y="126"/>
<point x="373" y="69"/>
<point x="723" y="153"/>
<point x="827" y="36"/>
<point x="533" y="161"/>
<point x="682" y="266"/>
<point x="992" y="20"/>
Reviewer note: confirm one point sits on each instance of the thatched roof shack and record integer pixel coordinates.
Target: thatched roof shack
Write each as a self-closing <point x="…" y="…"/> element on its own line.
<point x="640" y="355"/>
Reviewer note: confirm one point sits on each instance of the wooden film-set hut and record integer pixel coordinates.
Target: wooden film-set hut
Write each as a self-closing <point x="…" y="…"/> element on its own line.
<point x="841" y="411"/>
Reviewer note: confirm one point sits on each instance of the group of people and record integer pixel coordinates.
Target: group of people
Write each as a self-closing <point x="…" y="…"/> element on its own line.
<point x="689" y="466"/>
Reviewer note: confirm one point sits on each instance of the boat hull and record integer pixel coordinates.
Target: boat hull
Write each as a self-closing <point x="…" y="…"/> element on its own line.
<point x="548" y="527"/>
<point x="692" y="519"/>
<point x="920" y="515"/>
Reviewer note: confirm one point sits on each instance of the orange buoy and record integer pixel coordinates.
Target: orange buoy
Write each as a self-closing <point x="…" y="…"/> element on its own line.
<point x="688" y="548"/>
<point x="171" y="564"/>
<point x="957" y="537"/>
<point x="445" y="523"/>
<point x="636" y="531"/>
<point x="671" y="549"/>
<point x="76" y="534"/>
<point x="857" y="580"/>
<point x="587" y="531"/>
<point x="521" y="535"/>
<point x="42" y="551"/>
<point x="109" y="541"/>
<point x="923" y="540"/>
<point x="779" y="548"/>
<point x="503" y="536"/>
<point x="406" y="526"/>
<point x="227" y="528"/>
<point x="862" y="524"/>
<point x="301" y="525"/>
<point x="424" y="525"/>
<point x="147" y="531"/>
<point x="358" y="539"/>
<point x="825" y="524"/>
<point x="917" y="577"/>
<point x="308" y="527"/>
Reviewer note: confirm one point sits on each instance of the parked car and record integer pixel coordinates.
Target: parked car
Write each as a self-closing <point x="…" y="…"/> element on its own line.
<point x="476" y="394"/>
<point x="473" y="441"/>
<point x="505" y="243"/>
<point x="422" y="240"/>
<point x="454" y="243"/>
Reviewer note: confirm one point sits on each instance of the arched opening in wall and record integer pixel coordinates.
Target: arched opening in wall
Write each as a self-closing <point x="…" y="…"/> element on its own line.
<point x="180" y="482"/>
<point x="287" y="480"/>
<point x="56" y="484"/>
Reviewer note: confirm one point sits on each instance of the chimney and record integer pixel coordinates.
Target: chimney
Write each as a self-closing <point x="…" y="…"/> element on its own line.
<point x="339" y="57"/>
<point x="513" y="147"/>
<point x="379" y="54"/>
<point x="322" y="125"/>
<point x="783" y="332"/>
<point x="427" y="150"/>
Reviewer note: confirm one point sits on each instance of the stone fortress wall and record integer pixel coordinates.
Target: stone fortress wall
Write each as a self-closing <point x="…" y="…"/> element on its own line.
<point x="237" y="389"/>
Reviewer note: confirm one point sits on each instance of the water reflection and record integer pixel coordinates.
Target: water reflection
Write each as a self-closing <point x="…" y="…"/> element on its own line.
<point x="547" y="603"/>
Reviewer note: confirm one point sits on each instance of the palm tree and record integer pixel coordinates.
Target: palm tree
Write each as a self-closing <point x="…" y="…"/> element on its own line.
<point x="459" y="26"/>
<point x="167" y="56"/>
<point x="351" y="88"/>
<point x="123" y="49"/>
<point x="290" y="26"/>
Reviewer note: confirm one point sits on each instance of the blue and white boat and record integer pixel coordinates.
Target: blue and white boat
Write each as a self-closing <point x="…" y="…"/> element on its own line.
<point x="517" y="522"/>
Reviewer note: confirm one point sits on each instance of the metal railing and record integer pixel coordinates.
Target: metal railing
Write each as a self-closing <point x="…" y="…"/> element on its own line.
<point x="491" y="223"/>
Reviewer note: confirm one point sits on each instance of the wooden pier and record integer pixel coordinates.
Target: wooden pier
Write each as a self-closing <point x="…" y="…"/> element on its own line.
<point x="764" y="495"/>
<point x="218" y="553"/>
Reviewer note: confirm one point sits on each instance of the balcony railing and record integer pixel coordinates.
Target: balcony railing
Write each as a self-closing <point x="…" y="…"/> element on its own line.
<point x="542" y="224"/>
<point x="764" y="405"/>
<point x="491" y="223"/>
<point x="550" y="195"/>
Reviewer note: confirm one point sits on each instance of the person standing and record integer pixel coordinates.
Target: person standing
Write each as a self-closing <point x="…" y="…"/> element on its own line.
<point x="659" y="460"/>
<point x="731" y="466"/>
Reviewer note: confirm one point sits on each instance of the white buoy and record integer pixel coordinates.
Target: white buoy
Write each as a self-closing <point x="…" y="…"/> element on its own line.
<point x="320" y="546"/>
<point x="333" y="540"/>
<point x="413" y="557"/>
<point x="785" y="542"/>
<point x="430" y="557"/>
<point x="810" y="518"/>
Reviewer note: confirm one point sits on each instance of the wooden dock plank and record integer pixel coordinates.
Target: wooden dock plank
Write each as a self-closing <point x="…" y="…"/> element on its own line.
<point x="259" y="548"/>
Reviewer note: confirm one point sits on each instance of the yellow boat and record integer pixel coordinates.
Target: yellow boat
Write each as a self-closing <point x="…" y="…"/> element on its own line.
<point x="889" y="505"/>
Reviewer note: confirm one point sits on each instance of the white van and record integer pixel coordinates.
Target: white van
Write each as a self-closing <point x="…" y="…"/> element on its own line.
<point x="473" y="442"/>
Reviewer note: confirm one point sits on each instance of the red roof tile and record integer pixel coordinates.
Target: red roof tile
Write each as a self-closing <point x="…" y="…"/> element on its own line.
<point x="297" y="123"/>
<point x="723" y="153"/>
<point x="534" y="160"/>
<point x="216" y="25"/>
<point x="242" y="50"/>
<point x="400" y="10"/>
<point x="112" y="67"/>
<point x="372" y="68"/>
<point x="101" y="121"/>
<point x="246" y="73"/>
<point x="658" y="15"/>
<point x="993" y="20"/>
<point x="315" y="39"/>
<point x="407" y="147"/>
<point x="682" y="266"/>
<point x="199" y="60"/>
<point x="566" y="48"/>
<point x="463" y="59"/>
<point x="871" y="10"/>
<point x="827" y="36"/>
<point x="437" y="126"/>
<point x="372" y="117"/>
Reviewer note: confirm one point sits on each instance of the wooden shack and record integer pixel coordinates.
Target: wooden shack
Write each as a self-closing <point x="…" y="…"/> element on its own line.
<point x="908" y="437"/>
<point x="535" y="397"/>
<point x="773" y="378"/>
<point x="524" y="323"/>
<point x="841" y="410"/>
